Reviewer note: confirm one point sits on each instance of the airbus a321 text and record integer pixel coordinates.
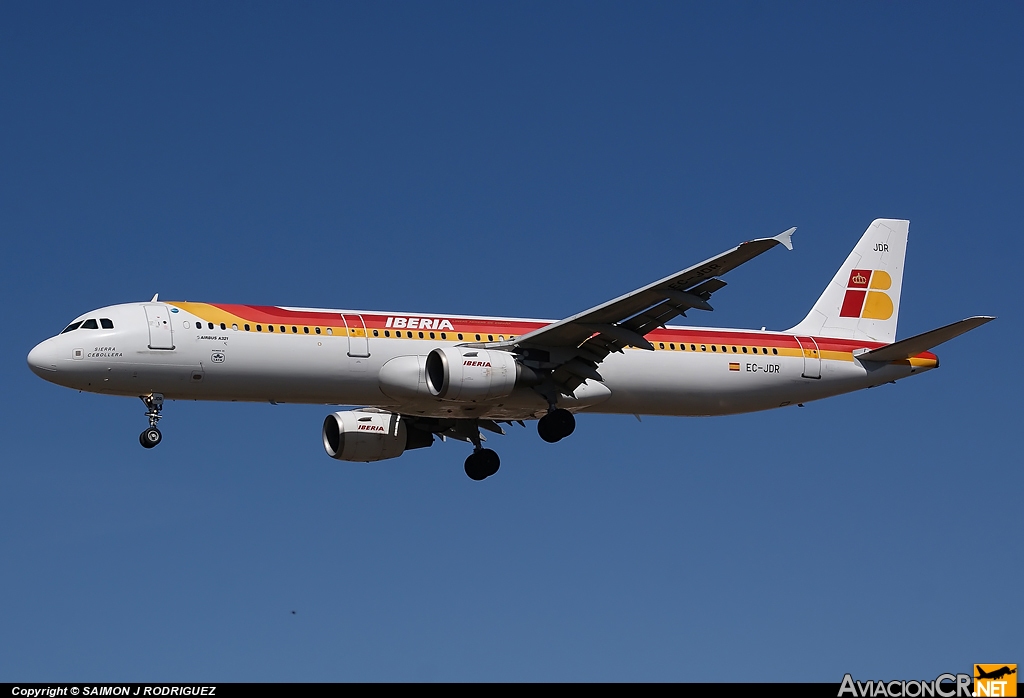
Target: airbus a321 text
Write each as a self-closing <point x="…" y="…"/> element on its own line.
<point x="421" y="376"/>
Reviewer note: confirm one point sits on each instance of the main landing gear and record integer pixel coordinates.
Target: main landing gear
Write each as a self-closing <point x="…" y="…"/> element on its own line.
<point x="482" y="463"/>
<point x="556" y="425"/>
<point x="152" y="436"/>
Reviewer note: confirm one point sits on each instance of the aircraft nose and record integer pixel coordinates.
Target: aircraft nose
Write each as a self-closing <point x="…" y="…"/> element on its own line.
<point x="42" y="360"/>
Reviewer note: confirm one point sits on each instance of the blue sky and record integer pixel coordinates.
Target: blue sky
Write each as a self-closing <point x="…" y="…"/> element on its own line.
<point x="527" y="159"/>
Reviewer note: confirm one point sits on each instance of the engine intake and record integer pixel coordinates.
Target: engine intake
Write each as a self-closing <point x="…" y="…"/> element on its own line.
<point x="364" y="437"/>
<point x="463" y="373"/>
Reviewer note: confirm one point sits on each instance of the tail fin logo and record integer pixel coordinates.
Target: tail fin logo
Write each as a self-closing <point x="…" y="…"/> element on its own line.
<point x="866" y="295"/>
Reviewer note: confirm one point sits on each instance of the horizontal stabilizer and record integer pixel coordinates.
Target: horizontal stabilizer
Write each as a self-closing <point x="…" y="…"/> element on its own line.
<point x="912" y="346"/>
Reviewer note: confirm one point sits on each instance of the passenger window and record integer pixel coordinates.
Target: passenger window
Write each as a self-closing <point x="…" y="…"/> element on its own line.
<point x="283" y="329"/>
<point x="490" y="338"/>
<point x="234" y="326"/>
<point x="270" y="328"/>
<point x="330" y="330"/>
<point x="295" y="330"/>
<point x="106" y="324"/>
<point x="318" y="330"/>
<point x="661" y="345"/>
<point x="387" y="333"/>
<point x="703" y="347"/>
<point x="223" y="326"/>
<point x="409" y="335"/>
<point x="478" y="338"/>
<point x="693" y="347"/>
<point x="734" y="350"/>
<point x="376" y="334"/>
<point x="420" y="334"/>
<point x="714" y="347"/>
<point x="672" y="346"/>
<point x="259" y="328"/>
<point x="72" y="327"/>
<point x="305" y="330"/>
<point x="775" y="351"/>
<point x="444" y="335"/>
<point x="460" y="335"/>
<point x="744" y="350"/>
<point x="763" y="350"/>
<point x="431" y="335"/>
<point x="90" y="324"/>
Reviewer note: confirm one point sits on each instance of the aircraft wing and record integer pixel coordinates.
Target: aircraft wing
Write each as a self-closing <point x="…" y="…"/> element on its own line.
<point x="574" y="346"/>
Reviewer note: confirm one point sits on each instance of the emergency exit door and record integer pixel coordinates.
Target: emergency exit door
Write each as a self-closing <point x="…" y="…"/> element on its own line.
<point x="160" y="334"/>
<point x="356" y="330"/>
<point x="812" y="357"/>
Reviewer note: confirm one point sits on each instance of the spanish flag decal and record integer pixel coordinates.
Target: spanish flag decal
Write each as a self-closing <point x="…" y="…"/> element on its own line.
<point x="734" y="366"/>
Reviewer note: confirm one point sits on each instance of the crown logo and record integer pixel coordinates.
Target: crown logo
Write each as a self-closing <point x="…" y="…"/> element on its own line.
<point x="866" y="296"/>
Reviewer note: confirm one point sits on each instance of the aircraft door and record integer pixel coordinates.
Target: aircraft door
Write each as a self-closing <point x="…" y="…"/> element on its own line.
<point x="160" y="333"/>
<point x="812" y="357"/>
<point x="356" y="330"/>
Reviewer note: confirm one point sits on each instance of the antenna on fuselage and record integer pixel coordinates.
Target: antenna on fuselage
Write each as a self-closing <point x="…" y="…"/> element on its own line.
<point x="156" y="297"/>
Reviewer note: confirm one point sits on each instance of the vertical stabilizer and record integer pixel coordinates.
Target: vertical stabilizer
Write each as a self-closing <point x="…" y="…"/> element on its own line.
<point x="863" y="299"/>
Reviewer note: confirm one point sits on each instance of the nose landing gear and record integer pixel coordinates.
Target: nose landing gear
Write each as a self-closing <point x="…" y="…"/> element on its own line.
<point x="154" y="404"/>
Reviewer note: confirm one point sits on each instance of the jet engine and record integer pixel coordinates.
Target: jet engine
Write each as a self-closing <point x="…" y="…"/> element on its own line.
<point x="466" y="374"/>
<point x="365" y="436"/>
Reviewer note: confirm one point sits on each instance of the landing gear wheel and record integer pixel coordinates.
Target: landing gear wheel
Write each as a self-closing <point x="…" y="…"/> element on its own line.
<point x="556" y="425"/>
<point x="489" y="460"/>
<point x="481" y="464"/>
<point x="150" y="438"/>
<point x="154" y="404"/>
<point x="545" y="431"/>
<point x="474" y="469"/>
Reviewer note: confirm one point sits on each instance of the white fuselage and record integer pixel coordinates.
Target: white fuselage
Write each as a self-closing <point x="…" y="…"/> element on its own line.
<point x="309" y="365"/>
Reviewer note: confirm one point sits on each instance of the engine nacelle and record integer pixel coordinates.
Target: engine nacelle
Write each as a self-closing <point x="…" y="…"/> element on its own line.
<point x="463" y="373"/>
<point x="404" y="377"/>
<point x="364" y="436"/>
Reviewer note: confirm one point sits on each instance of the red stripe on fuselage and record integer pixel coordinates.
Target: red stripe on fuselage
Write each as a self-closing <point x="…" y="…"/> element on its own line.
<point x="270" y="314"/>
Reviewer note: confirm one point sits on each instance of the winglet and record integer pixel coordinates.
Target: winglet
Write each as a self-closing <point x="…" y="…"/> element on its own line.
<point x="156" y="298"/>
<point x="786" y="238"/>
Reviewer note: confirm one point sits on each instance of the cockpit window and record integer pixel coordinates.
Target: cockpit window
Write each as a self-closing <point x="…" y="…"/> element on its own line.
<point x="106" y="324"/>
<point x="71" y="327"/>
<point x="90" y="324"/>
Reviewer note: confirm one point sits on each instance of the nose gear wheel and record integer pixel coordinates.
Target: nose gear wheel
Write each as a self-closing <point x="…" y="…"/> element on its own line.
<point x="150" y="438"/>
<point x="154" y="405"/>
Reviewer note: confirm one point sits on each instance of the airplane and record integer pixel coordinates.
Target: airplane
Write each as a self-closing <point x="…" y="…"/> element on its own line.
<point x="416" y="377"/>
<point x="995" y="674"/>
